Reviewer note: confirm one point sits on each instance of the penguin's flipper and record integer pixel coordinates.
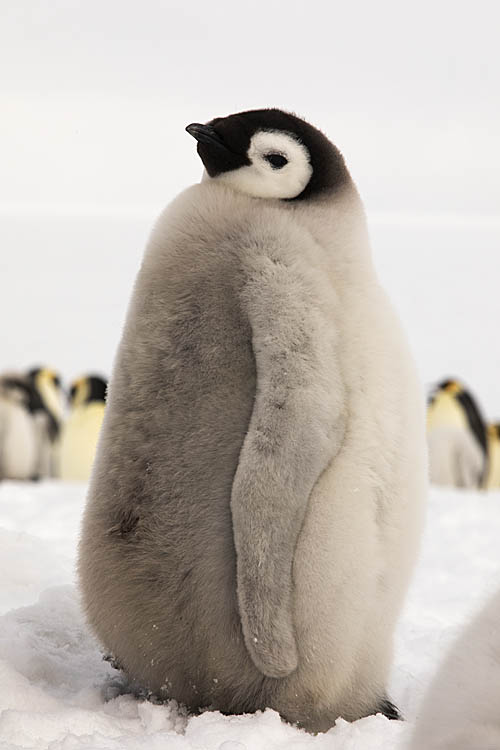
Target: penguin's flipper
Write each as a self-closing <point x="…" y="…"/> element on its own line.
<point x="295" y="430"/>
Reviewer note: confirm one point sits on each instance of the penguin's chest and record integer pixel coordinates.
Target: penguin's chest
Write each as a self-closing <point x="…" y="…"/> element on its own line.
<point x="79" y="441"/>
<point x="18" y="442"/>
<point x="445" y="411"/>
<point x="494" y="464"/>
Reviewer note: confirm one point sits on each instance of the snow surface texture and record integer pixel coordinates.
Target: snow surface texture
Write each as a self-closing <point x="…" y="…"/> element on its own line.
<point x="57" y="693"/>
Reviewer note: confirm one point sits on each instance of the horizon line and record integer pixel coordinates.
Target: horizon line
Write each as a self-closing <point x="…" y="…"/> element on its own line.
<point x="150" y="211"/>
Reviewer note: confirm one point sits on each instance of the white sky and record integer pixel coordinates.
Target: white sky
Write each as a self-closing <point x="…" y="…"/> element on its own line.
<point x="96" y="95"/>
<point x="94" y="99"/>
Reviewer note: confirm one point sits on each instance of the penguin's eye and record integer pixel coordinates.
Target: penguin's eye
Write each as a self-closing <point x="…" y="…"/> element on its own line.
<point x="277" y="161"/>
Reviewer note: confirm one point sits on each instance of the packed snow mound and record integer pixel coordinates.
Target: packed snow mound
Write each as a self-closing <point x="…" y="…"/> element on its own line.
<point x="58" y="693"/>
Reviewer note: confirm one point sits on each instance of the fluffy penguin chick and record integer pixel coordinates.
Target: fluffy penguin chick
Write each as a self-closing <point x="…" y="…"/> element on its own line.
<point x="18" y="433"/>
<point x="461" y="710"/>
<point x="456" y="437"/>
<point x="81" y="430"/>
<point x="256" y="500"/>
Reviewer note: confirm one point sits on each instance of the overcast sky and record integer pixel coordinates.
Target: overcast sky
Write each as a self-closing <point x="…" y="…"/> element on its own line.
<point x="96" y="95"/>
<point x="94" y="99"/>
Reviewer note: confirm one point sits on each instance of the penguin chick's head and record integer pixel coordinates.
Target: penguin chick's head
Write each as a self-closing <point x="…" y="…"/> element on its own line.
<point x="87" y="389"/>
<point x="268" y="153"/>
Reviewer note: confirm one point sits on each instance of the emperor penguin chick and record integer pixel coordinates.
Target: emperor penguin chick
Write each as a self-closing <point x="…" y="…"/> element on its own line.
<point x="256" y="502"/>
<point x="456" y="436"/>
<point x="80" y="431"/>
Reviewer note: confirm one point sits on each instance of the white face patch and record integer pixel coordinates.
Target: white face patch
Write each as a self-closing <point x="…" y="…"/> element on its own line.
<point x="280" y="167"/>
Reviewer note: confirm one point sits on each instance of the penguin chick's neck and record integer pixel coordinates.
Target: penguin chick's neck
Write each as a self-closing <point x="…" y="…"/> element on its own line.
<point x="270" y="154"/>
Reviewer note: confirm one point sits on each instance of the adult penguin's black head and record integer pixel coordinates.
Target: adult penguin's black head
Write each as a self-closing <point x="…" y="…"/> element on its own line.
<point x="268" y="153"/>
<point x="86" y="389"/>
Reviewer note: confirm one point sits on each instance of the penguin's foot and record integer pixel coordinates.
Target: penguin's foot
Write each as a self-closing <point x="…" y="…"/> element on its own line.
<point x="115" y="686"/>
<point x="389" y="710"/>
<point x="113" y="661"/>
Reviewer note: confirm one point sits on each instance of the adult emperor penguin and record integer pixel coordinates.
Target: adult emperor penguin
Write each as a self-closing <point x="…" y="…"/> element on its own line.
<point x="80" y="431"/>
<point x="256" y="502"/>
<point x="48" y="417"/>
<point x="461" y="710"/>
<point x="492" y="480"/>
<point x="19" y="444"/>
<point x="457" y="437"/>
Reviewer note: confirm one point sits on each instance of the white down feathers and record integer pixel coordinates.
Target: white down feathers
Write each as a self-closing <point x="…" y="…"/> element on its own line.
<point x="260" y="179"/>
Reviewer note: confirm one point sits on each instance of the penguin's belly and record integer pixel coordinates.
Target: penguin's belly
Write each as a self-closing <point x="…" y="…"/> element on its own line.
<point x="79" y="441"/>
<point x="360" y="535"/>
<point x="455" y="457"/>
<point x="493" y="481"/>
<point x="18" y="459"/>
<point x="341" y="568"/>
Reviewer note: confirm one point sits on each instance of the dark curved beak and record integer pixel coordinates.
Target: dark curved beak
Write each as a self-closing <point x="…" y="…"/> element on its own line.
<point x="204" y="134"/>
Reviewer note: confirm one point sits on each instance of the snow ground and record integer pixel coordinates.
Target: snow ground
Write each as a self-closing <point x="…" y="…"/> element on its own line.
<point x="56" y="692"/>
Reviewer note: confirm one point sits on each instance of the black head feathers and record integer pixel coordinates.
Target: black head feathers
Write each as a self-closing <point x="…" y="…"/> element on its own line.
<point x="230" y="144"/>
